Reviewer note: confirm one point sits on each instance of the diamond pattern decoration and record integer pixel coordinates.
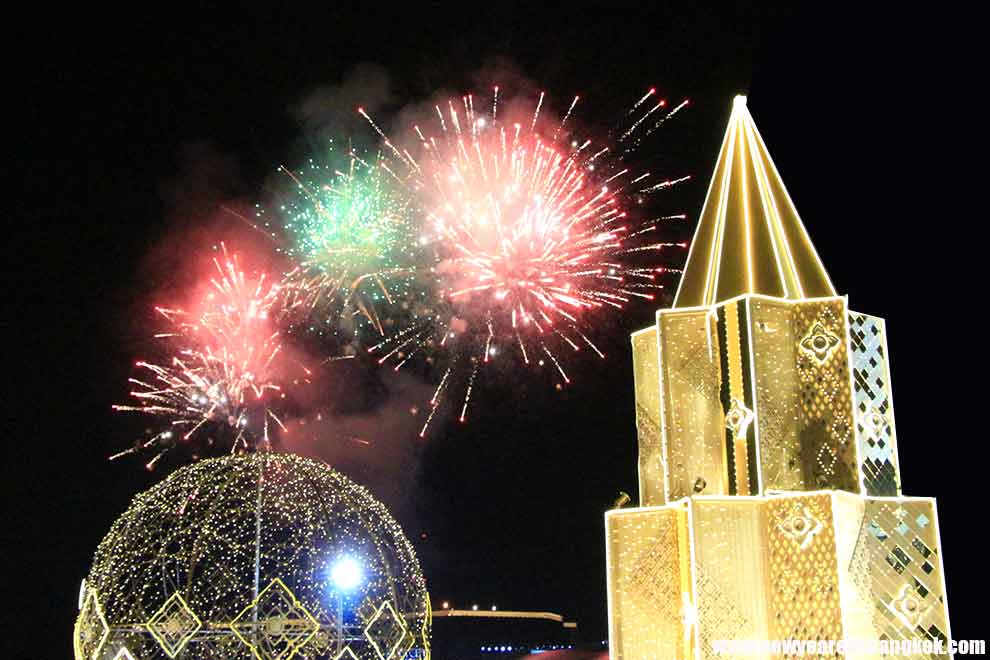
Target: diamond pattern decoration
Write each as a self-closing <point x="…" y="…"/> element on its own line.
<point x="91" y="630"/>
<point x="699" y="371"/>
<point x="405" y="646"/>
<point x="387" y="627"/>
<point x="829" y="454"/>
<point x="803" y="574"/>
<point x="900" y="569"/>
<point x="173" y="625"/>
<point x="645" y="571"/>
<point x="718" y="614"/>
<point x="875" y="434"/>
<point x="656" y="596"/>
<point x="322" y="643"/>
<point x="346" y="654"/>
<point x="650" y="458"/>
<point x="124" y="654"/>
<point x="275" y="625"/>
<point x="366" y="610"/>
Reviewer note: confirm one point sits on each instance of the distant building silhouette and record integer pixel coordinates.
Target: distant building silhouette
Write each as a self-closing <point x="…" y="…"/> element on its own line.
<point x="488" y="634"/>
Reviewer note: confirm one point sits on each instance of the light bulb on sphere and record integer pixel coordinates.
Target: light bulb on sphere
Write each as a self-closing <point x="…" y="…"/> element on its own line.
<point x="346" y="574"/>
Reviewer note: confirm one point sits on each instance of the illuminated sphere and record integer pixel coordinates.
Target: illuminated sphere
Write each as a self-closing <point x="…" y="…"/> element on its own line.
<point x="262" y="556"/>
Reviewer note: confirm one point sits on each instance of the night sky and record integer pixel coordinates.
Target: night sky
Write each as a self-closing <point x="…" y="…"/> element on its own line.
<point x="135" y="128"/>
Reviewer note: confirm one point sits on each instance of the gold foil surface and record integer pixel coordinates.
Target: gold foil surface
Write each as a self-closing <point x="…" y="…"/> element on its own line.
<point x="730" y="571"/>
<point x="646" y="378"/>
<point x="693" y="423"/>
<point x="876" y="438"/>
<point x="895" y="569"/>
<point x="648" y="585"/>
<point x="824" y="565"/>
<point x="777" y="392"/>
<point x="803" y="599"/>
<point x="803" y="395"/>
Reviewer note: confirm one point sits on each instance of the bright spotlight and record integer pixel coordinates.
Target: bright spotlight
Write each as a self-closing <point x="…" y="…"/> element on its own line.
<point x="346" y="574"/>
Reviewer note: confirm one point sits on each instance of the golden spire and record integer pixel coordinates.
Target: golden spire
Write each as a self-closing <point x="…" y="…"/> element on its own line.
<point x="749" y="237"/>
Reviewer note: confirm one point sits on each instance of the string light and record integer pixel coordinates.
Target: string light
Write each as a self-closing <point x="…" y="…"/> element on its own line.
<point x="242" y="554"/>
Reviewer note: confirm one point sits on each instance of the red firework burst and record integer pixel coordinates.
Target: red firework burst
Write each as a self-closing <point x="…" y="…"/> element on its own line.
<point x="532" y="230"/>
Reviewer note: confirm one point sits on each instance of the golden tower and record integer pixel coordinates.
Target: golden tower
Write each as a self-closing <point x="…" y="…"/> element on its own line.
<point x="770" y="500"/>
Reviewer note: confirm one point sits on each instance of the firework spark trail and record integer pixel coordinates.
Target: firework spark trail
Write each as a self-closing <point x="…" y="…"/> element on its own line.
<point x="567" y="115"/>
<point x="635" y="106"/>
<point x="225" y="375"/>
<point x="638" y="122"/>
<point x="530" y="228"/>
<point x="350" y="231"/>
<point x="683" y="104"/>
<point x="467" y="395"/>
<point x="638" y="140"/>
<point x="435" y="402"/>
<point x="553" y="359"/>
<point x="669" y="183"/>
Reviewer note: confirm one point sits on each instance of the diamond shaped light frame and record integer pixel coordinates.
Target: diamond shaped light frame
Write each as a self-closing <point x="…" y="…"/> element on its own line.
<point x="384" y="609"/>
<point x="285" y="623"/>
<point x="174" y="624"/>
<point x="91" y="619"/>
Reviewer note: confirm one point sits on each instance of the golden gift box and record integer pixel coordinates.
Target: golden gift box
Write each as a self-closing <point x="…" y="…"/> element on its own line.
<point x="769" y="487"/>
<point x="823" y="565"/>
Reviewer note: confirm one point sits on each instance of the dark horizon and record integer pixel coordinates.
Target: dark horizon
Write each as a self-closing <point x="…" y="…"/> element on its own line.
<point x="135" y="134"/>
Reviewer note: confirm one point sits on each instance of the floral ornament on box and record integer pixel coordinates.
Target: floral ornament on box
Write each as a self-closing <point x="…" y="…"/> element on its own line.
<point x="801" y="526"/>
<point x="820" y="342"/>
<point x="908" y="607"/>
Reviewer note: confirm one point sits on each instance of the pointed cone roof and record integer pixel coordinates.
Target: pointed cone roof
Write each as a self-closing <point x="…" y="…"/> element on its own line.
<point x="749" y="237"/>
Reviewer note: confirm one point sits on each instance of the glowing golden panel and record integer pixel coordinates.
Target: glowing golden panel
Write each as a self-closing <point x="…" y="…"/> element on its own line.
<point x="646" y="379"/>
<point x="728" y="544"/>
<point x="745" y="408"/>
<point x="777" y="394"/>
<point x="876" y="438"/>
<point x="823" y="565"/>
<point x="803" y="594"/>
<point x="648" y="584"/>
<point x="804" y="394"/>
<point x="693" y="424"/>
<point x="895" y="566"/>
